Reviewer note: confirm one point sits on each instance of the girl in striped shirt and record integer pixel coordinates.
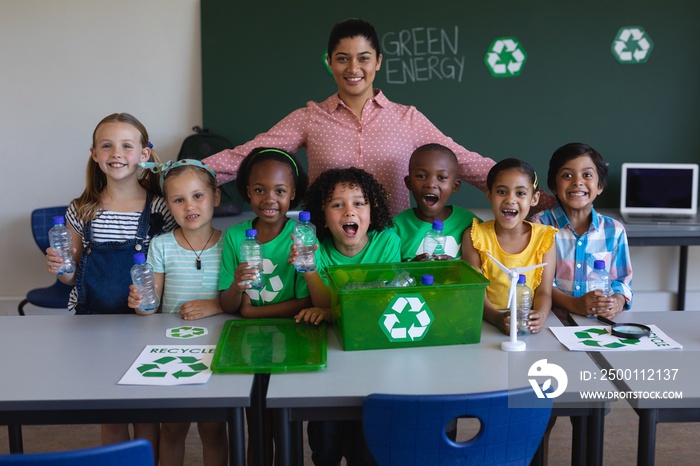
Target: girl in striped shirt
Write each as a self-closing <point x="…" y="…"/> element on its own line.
<point x="115" y="217"/>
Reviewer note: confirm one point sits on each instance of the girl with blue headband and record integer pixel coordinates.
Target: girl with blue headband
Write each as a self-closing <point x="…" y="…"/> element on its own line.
<point x="186" y="263"/>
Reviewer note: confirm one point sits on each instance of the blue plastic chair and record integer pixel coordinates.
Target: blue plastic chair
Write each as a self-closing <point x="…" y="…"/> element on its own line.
<point x="409" y="430"/>
<point x="134" y="453"/>
<point x="56" y="295"/>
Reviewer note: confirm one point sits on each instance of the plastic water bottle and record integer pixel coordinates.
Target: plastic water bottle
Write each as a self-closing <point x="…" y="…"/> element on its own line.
<point x="427" y="280"/>
<point x="402" y="278"/>
<point x="305" y="242"/>
<point x="252" y="253"/>
<point x="434" y="241"/>
<point x="366" y="285"/>
<point x="145" y="282"/>
<point x="599" y="278"/>
<point x="61" y="241"/>
<point x="523" y="305"/>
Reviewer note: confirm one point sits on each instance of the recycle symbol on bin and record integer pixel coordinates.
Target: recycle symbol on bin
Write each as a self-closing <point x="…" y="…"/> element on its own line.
<point x="632" y="44"/>
<point x="406" y="318"/>
<point x="505" y="57"/>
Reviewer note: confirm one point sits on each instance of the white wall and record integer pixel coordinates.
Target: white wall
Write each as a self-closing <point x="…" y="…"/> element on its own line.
<point x="65" y="64"/>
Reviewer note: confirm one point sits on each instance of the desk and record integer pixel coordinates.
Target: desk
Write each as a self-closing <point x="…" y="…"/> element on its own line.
<point x="639" y="234"/>
<point x="338" y="391"/>
<point x="682" y="327"/>
<point x="65" y="369"/>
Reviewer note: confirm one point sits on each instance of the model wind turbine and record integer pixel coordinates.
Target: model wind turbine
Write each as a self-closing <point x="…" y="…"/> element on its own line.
<point x="513" y="344"/>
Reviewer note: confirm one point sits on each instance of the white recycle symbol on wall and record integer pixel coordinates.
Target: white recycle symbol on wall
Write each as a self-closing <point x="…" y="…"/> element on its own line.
<point x="505" y="58"/>
<point x="632" y="44"/>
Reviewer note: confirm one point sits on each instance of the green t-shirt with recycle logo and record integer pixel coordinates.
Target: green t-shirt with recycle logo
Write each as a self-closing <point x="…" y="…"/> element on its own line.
<point x="412" y="231"/>
<point x="282" y="283"/>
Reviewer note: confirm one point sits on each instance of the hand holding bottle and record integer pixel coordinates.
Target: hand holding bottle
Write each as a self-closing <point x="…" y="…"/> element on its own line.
<point x="599" y="299"/>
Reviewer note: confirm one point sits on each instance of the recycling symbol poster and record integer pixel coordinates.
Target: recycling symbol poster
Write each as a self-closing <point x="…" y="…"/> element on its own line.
<point x="171" y="365"/>
<point x="584" y="338"/>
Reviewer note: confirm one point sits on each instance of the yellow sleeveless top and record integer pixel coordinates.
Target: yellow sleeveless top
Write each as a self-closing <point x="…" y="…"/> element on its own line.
<point x="484" y="239"/>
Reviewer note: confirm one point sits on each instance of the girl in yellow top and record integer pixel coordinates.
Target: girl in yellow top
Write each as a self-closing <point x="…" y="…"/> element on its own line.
<point x="514" y="242"/>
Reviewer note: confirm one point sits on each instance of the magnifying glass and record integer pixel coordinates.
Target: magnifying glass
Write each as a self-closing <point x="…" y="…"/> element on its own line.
<point x="626" y="330"/>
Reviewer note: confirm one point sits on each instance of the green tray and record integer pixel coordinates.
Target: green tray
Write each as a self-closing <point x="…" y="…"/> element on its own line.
<point x="270" y="346"/>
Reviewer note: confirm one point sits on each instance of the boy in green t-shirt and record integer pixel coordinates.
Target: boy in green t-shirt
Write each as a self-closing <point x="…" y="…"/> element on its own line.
<point x="351" y="212"/>
<point x="432" y="178"/>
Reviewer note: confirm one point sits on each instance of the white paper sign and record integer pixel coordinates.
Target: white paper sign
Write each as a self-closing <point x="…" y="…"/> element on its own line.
<point x="171" y="365"/>
<point x="586" y="338"/>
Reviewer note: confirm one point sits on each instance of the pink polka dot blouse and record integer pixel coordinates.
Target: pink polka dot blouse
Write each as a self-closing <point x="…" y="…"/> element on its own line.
<point x="380" y="142"/>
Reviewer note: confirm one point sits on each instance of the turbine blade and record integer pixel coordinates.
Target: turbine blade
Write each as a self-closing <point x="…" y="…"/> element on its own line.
<point x="530" y="267"/>
<point x="502" y="267"/>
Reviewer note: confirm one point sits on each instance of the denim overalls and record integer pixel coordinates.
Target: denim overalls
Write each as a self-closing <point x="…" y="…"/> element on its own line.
<point x="104" y="272"/>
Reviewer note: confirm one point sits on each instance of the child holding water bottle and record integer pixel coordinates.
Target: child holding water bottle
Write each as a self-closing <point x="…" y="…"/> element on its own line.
<point x="115" y="217"/>
<point x="351" y="212"/>
<point x="186" y="262"/>
<point x="273" y="182"/>
<point x="514" y="242"/>
<point x="432" y="179"/>
<point x="577" y="175"/>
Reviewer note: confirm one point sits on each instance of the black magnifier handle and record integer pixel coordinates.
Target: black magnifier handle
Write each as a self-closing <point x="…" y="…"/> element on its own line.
<point x="605" y="321"/>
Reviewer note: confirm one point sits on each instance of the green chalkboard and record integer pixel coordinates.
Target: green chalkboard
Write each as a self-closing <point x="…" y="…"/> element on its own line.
<point x="261" y="60"/>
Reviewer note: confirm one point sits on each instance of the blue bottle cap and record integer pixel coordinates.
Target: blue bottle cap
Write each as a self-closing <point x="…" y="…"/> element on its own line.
<point x="522" y="279"/>
<point x="599" y="265"/>
<point x="139" y="258"/>
<point x="426" y="279"/>
<point x="59" y="220"/>
<point x="437" y="225"/>
<point x="304" y="216"/>
<point x="251" y="232"/>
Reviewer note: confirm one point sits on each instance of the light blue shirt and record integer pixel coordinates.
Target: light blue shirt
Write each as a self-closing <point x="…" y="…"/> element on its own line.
<point x="605" y="240"/>
<point x="183" y="282"/>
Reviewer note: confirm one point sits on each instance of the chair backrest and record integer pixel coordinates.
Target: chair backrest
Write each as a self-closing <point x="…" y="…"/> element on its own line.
<point x="410" y="429"/>
<point x="134" y="453"/>
<point x="42" y="221"/>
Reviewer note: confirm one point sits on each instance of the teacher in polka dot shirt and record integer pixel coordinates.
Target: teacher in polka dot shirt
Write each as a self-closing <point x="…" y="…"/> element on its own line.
<point x="358" y="126"/>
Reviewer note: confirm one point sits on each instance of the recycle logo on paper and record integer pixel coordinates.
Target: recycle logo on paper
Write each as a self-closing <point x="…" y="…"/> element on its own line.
<point x="176" y="366"/>
<point x="505" y="58"/>
<point x="186" y="332"/>
<point x="632" y="44"/>
<point x="406" y="318"/>
<point x="587" y="336"/>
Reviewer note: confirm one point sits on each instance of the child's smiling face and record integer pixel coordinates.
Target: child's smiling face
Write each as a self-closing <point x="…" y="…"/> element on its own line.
<point x="117" y="150"/>
<point x="190" y="200"/>
<point x="432" y="178"/>
<point x="271" y="189"/>
<point x="348" y="218"/>
<point x="511" y="197"/>
<point x="578" y="184"/>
